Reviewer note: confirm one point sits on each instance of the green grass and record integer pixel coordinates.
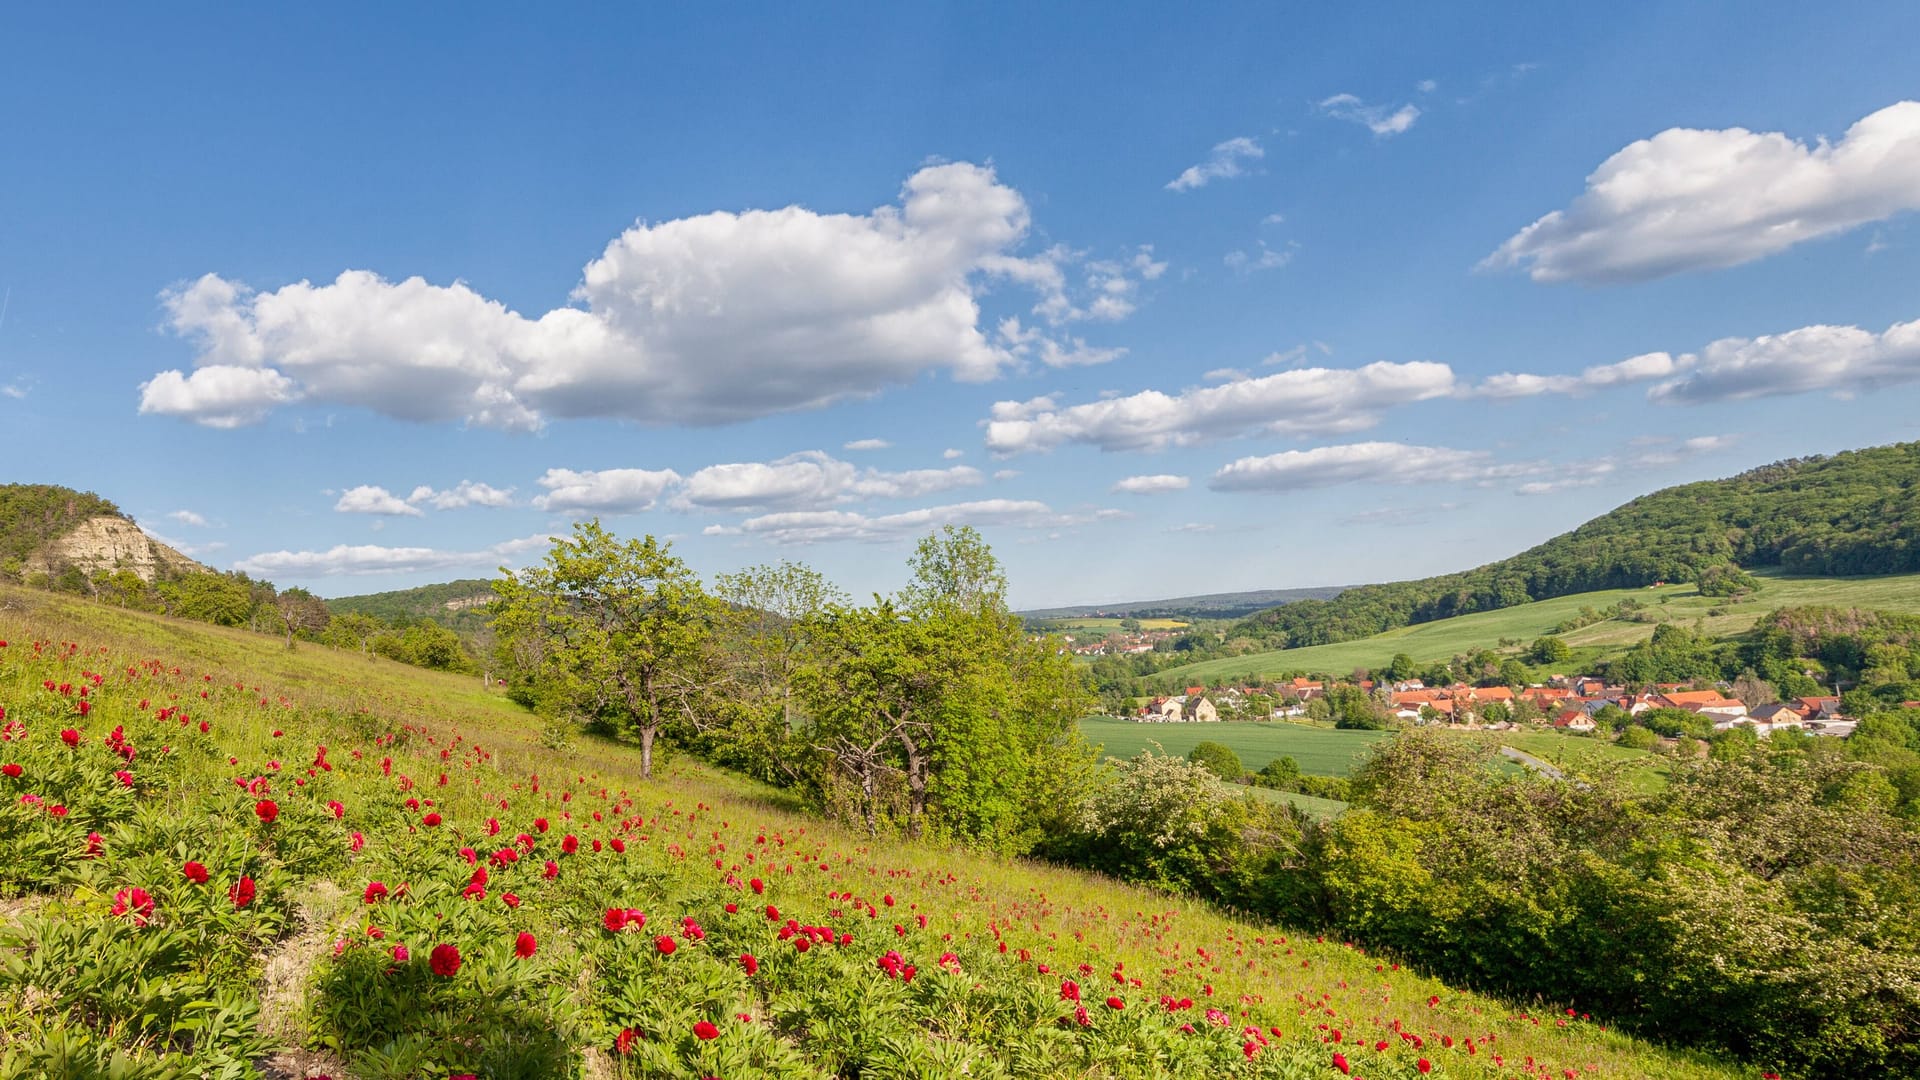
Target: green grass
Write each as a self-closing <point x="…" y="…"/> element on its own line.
<point x="1318" y="751"/>
<point x="1447" y="638"/>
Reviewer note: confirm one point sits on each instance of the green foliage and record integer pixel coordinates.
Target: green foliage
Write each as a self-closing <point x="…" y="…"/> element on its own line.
<point x="1548" y="650"/>
<point x="1167" y="822"/>
<point x="1221" y="761"/>
<point x="935" y="711"/>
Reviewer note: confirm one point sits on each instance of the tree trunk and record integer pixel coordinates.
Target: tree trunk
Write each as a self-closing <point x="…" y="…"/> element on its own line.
<point x="646" y="751"/>
<point x="916" y="784"/>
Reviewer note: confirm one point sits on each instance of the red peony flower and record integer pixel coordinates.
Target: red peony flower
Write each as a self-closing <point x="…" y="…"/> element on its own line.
<point x="1424" y="1066"/>
<point x="1115" y="1003"/>
<point x="339" y="811"/>
<point x="752" y="965"/>
<point x="705" y="1030"/>
<point x="71" y="738"/>
<point x="431" y="819"/>
<point x="266" y="810"/>
<point x="1340" y="1063"/>
<point x="665" y="944"/>
<point x="569" y="844"/>
<point x="194" y="872"/>
<point x="523" y="945"/>
<point x="510" y="899"/>
<point x="11" y="770"/>
<point x="135" y="902"/>
<point x="400" y="954"/>
<point x="615" y="919"/>
<point x="355" y="842"/>
<point x="241" y="893"/>
<point x="445" y="961"/>
<point x="375" y="892"/>
<point x="624" y="1044"/>
<point x="1069" y="990"/>
<point x="552" y="871"/>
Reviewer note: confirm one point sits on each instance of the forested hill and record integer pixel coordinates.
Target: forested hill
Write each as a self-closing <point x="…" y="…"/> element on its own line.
<point x="460" y="605"/>
<point x="34" y="515"/>
<point x="1851" y="513"/>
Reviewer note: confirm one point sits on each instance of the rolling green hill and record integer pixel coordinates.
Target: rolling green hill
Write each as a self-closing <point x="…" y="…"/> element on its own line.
<point x="1446" y="638"/>
<point x="1230" y="605"/>
<point x="1853" y="513"/>
<point x="457" y="605"/>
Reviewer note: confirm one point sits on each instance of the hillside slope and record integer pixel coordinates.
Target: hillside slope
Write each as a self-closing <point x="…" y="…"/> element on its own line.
<point x="1848" y="514"/>
<point x="572" y="988"/>
<point x="1444" y="639"/>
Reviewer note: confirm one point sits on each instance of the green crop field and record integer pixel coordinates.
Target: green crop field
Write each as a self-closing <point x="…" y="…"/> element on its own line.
<point x="1677" y="603"/>
<point x="1319" y="751"/>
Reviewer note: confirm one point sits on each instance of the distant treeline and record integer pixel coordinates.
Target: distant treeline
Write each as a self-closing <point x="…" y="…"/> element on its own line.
<point x="1848" y="514"/>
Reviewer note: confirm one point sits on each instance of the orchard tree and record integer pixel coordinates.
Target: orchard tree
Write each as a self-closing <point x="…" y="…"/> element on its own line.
<point x="769" y="619"/>
<point x="300" y="612"/>
<point x="622" y="631"/>
<point x="940" y="693"/>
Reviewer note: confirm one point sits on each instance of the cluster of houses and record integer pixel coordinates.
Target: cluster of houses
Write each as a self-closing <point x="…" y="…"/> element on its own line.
<point x="1569" y="704"/>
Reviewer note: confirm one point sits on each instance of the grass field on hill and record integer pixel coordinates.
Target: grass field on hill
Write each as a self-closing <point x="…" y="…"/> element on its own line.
<point x="1319" y="751"/>
<point x="1643" y="771"/>
<point x="1102" y="625"/>
<point x="1446" y="638"/>
<point x="295" y="869"/>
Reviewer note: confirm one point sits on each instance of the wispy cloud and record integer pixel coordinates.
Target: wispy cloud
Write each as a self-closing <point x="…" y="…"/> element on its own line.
<point x="1227" y="160"/>
<point x="1385" y="121"/>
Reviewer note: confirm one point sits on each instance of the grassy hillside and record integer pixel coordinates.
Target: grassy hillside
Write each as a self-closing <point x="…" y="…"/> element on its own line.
<point x="1854" y="513"/>
<point x="380" y="774"/>
<point x="31" y="515"/>
<point x="1445" y="638"/>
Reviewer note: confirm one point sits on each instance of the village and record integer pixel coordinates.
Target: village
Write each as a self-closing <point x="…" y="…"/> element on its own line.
<point x="1566" y="703"/>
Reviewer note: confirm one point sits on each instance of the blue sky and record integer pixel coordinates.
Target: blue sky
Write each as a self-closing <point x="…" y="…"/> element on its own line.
<point x="1249" y="298"/>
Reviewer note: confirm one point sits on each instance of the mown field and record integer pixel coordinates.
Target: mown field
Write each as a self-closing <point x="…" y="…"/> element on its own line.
<point x="220" y="858"/>
<point x="1093" y="624"/>
<point x="1450" y="637"/>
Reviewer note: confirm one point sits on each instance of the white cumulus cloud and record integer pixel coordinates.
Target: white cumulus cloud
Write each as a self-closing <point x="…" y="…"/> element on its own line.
<point x="866" y="444"/>
<point x="1157" y="484"/>
<point x="1356" y="463"/>
<point x="188" y="517"/>
<point x="465" y="493"/>
<point x="823" y="526"/>
<point x="711" y="319"/>
<point x="1300" y="401"/>
<point x="348" y="560"/>
<point x="372" y="499"/>
<point x="1227" y="159"/>
<point x="1835" y="359"/>
<point x="603" y="491"/>
<point x="1689" y="199"/>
